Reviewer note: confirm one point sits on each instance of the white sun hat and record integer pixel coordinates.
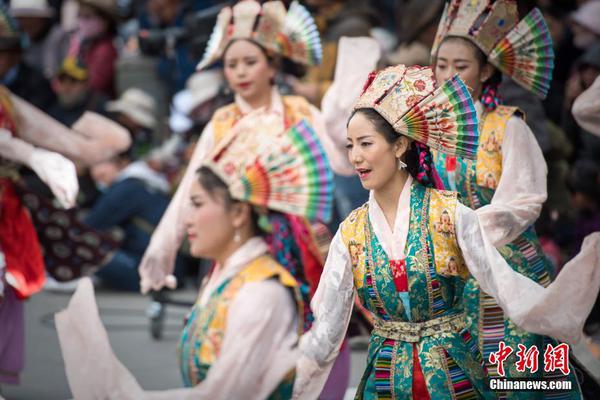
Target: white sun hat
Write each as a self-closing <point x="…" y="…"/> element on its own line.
<point x="31" y="8"/>
<point x="137" y="105"/>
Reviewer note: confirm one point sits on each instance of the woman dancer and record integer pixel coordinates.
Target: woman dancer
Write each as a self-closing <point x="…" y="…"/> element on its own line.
<point x="409" y="251"/>
<point x="506" y="183"/>
<point x="240" y="338"/>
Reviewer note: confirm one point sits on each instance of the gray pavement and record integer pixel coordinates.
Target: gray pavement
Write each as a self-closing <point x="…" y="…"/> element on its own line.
<point x="153" y="363"/>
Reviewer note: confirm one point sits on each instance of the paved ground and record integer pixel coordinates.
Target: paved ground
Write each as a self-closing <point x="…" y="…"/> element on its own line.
<point x="153" y="363"/>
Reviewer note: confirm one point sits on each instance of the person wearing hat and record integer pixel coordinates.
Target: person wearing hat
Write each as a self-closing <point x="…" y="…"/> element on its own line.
<point x="408" y="252"/>
<point x="240" y="339"/>
<point x="15" y="73"/>
<point x="48" y="42"/>
<point x="507" y="183"/>
<point x="136" y="111"/>
<point x="93" y="42"/>
<point x="74" y="93"/>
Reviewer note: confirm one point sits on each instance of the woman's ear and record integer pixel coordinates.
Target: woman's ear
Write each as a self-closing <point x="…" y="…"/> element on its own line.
<point x="241" y="214"/>
<point x="401" y="146"/>
<point x="486" y="72"/>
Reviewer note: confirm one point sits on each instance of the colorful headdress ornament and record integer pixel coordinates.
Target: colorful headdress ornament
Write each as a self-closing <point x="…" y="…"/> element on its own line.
<point x="268" y="166"/>
<point x="293" y="34"/>
<point x="522" y="50"/>
<point x="442" y="118"/>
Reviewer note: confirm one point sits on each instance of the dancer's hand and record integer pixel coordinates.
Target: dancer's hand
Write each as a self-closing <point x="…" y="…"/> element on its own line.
<point x="58" y="173"/>
<point x="156" y="269"/>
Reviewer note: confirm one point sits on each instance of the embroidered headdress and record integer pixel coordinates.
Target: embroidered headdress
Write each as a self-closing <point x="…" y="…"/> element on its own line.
<point x="283" y="170"/>
<point x="442" y="118"/>
<point x="292" y="34"/>
<point x="522" y="50"/>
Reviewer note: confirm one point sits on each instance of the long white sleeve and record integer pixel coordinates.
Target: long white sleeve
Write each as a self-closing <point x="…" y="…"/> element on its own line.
<point x="159" y="258"/>
<point x="41" y="130"/>
<point x="250" y="366"/>
<point x="357" y="56"/>
<point x="559" y="310"/>
<point x="332" y="308"/>
<point x="52" y="168"/>
<point x="521" y="190"/>
<point x="338" y="157"/>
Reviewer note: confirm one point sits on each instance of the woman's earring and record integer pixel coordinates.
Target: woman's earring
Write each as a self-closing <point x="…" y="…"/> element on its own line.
<point x="237" y="237"/>
<point x="401" y="165"/>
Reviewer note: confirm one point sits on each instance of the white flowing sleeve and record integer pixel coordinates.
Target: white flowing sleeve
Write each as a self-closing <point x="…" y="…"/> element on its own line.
<point x="558" y="310"/>
<point x="332" y="307"/>
<point x="159" y="258"/>
<point x="338" y="158"/>
<point x="41" y="130"/>
<point x="521" y="190"/>
<point x="357" y="56"/>
<point x="258" y="350"/>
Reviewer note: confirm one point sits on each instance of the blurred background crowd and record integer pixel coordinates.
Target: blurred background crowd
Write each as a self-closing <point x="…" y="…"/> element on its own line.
<point x="134" y="61"/>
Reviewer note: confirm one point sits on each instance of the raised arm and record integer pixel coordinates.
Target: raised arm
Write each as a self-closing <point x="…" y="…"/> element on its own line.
<point x="559" y="310"/>
<point x="83" y="144"/>
<point x="52" y="168"/>
<point x="159" y="260"/>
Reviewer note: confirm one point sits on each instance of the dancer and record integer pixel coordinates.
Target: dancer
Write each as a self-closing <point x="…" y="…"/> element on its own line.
<point x="506" y="183"/>
<point x="31" y="138"/>
<point x="409" y="251"/>
<point x="240" y="338"/>
<point x="249" y="39"/>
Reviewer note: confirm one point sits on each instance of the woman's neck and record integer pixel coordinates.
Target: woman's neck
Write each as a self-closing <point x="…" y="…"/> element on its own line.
<point x="260" y="100"/>
<point x="388" y="196"/>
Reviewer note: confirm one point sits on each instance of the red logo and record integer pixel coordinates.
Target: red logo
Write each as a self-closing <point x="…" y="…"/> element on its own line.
<point x="500" y="356"/>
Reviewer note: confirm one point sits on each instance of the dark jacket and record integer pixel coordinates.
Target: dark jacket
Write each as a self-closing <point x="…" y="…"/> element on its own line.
<point x="132" y="205"/>
<point x="32" y="86"/>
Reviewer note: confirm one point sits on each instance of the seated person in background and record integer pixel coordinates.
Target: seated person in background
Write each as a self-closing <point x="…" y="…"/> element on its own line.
<point x="136" y="111"/>
<point x="133" y="198"/>
<point x="74" y="93"/>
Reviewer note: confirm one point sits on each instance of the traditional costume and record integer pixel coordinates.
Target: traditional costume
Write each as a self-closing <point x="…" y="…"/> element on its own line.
<point x="506" y="183"/>
<point x="241" y="336"/>
<point x="411" y="276"/>
<point x="292" y="35"/>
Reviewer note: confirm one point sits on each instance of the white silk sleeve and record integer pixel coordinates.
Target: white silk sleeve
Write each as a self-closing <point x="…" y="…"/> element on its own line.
<point x="159" y="258"/>
<point x="357" y="56"/>
<point x="521" y="190"/>
<point x="558" y="310"/>
<point x="41" y="130"/>
<point x="338" y="158"/>
<point x="332" y="308"/>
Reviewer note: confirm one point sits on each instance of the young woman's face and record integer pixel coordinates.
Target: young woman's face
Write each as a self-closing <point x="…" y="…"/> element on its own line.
<point x="247" y="69"/>
<point x="374" y="159"/>
<point x="457" y="57"/>
<point x="209" y="223"/>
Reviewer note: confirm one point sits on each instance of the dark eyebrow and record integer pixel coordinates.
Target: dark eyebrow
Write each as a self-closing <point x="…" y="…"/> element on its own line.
<point x="361" y="137"/>
<point x="457" y="60"/>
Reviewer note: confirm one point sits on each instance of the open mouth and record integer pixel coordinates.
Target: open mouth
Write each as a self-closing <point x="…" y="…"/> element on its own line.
<point x="363" y="173"/>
